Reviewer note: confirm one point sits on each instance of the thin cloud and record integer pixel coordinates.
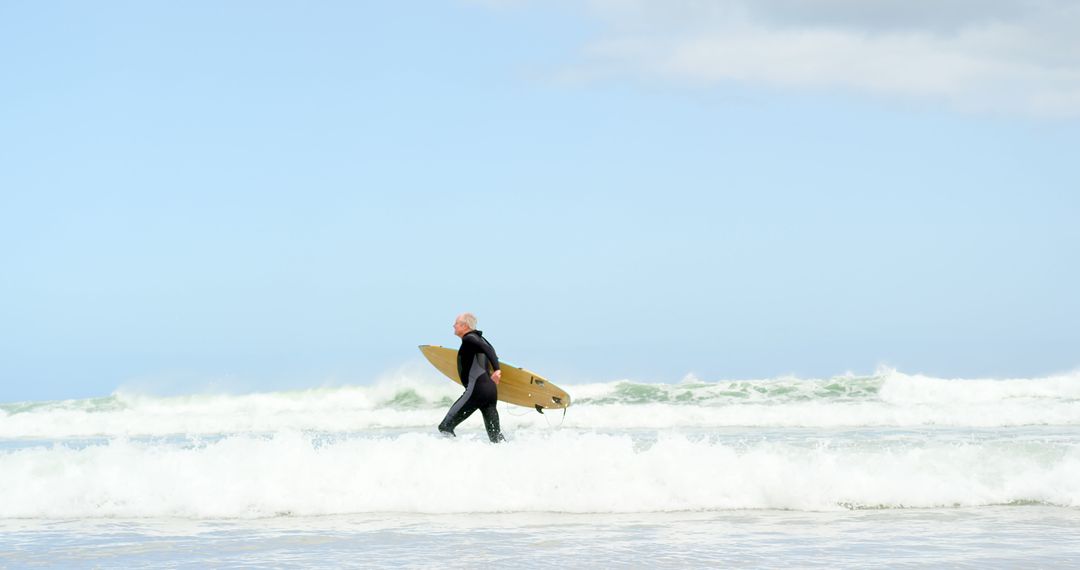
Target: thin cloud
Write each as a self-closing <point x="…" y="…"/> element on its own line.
<point x="1002" y="57"/>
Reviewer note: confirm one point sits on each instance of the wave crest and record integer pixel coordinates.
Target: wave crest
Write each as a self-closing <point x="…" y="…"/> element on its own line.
<point x="887" y="398"/>
<point x="298" y="474"/>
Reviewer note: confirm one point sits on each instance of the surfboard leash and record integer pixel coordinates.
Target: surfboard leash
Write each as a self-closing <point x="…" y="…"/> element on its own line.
<point x="547" y="419"/>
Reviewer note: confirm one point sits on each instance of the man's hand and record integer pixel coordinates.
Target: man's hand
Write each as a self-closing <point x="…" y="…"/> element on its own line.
<point x="496" y="376"/>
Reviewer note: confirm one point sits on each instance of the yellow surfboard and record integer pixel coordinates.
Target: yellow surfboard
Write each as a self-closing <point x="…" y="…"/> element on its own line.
<point x="517" y="386"/>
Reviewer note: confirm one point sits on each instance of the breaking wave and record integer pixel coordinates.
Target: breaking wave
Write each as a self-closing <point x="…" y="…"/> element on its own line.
<point x="888" y="398"/>
<point x="296" y="474"/>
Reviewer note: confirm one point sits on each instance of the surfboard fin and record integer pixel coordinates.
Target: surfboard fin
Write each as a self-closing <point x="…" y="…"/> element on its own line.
<point x="538" y="408"/>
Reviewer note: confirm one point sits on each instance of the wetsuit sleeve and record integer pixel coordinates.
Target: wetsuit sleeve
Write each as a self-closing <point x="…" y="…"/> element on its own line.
<point x="482" y="345"/>
<point x="492" y="357"/>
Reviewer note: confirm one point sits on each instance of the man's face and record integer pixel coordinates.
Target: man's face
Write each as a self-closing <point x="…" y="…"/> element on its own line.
<point x="459" y="328"/>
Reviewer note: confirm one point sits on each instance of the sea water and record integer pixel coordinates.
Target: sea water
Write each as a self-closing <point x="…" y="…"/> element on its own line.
<point x="884" y="470"/>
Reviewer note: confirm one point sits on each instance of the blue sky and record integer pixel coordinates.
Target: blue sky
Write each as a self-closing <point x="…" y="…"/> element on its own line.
<point x="272" y="195"/>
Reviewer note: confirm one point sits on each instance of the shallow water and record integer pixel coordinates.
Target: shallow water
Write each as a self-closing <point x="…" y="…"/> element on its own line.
<point x="884" y="471"/>
<point x="1019" y="536"/>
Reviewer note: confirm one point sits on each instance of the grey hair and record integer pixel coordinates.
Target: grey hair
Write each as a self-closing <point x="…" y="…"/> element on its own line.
<point x="469" y="319"/>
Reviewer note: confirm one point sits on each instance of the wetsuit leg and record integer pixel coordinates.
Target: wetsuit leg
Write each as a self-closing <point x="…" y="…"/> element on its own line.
<point x="491" y="423"/>
<point x="480" y="395"/>
<point x="462" y="409"/>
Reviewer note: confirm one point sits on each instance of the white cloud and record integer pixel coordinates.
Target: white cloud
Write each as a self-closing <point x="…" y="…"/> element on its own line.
<point x="1017" y="56"/>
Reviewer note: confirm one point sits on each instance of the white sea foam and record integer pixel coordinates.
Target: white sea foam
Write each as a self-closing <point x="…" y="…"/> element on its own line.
<point x="622" y="447"/>
<point x="297" y="474"/>
<point x="888" y="398"/>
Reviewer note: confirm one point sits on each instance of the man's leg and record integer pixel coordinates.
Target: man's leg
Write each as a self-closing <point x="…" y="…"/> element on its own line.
<point x="491" y="423"/>
<point x="461" y="410"/>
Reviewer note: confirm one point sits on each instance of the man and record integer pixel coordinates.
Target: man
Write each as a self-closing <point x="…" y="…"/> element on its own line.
<point x="475" y="357"/>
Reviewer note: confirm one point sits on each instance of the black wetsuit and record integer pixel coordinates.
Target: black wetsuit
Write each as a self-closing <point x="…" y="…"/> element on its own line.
<point x="475" y="357"/>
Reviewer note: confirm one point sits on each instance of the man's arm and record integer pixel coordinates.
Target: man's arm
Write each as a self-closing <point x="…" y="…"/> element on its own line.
<point x="489" y="351"/>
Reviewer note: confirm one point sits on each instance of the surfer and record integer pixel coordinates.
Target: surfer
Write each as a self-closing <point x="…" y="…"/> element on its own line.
<point x="475" y="357"/>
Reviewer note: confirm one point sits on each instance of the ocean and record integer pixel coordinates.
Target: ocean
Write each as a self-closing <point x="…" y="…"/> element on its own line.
<point x="885" y="470"/>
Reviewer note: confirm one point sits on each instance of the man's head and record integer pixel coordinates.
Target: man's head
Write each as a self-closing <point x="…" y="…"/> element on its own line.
<point x="464" y="323"/>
